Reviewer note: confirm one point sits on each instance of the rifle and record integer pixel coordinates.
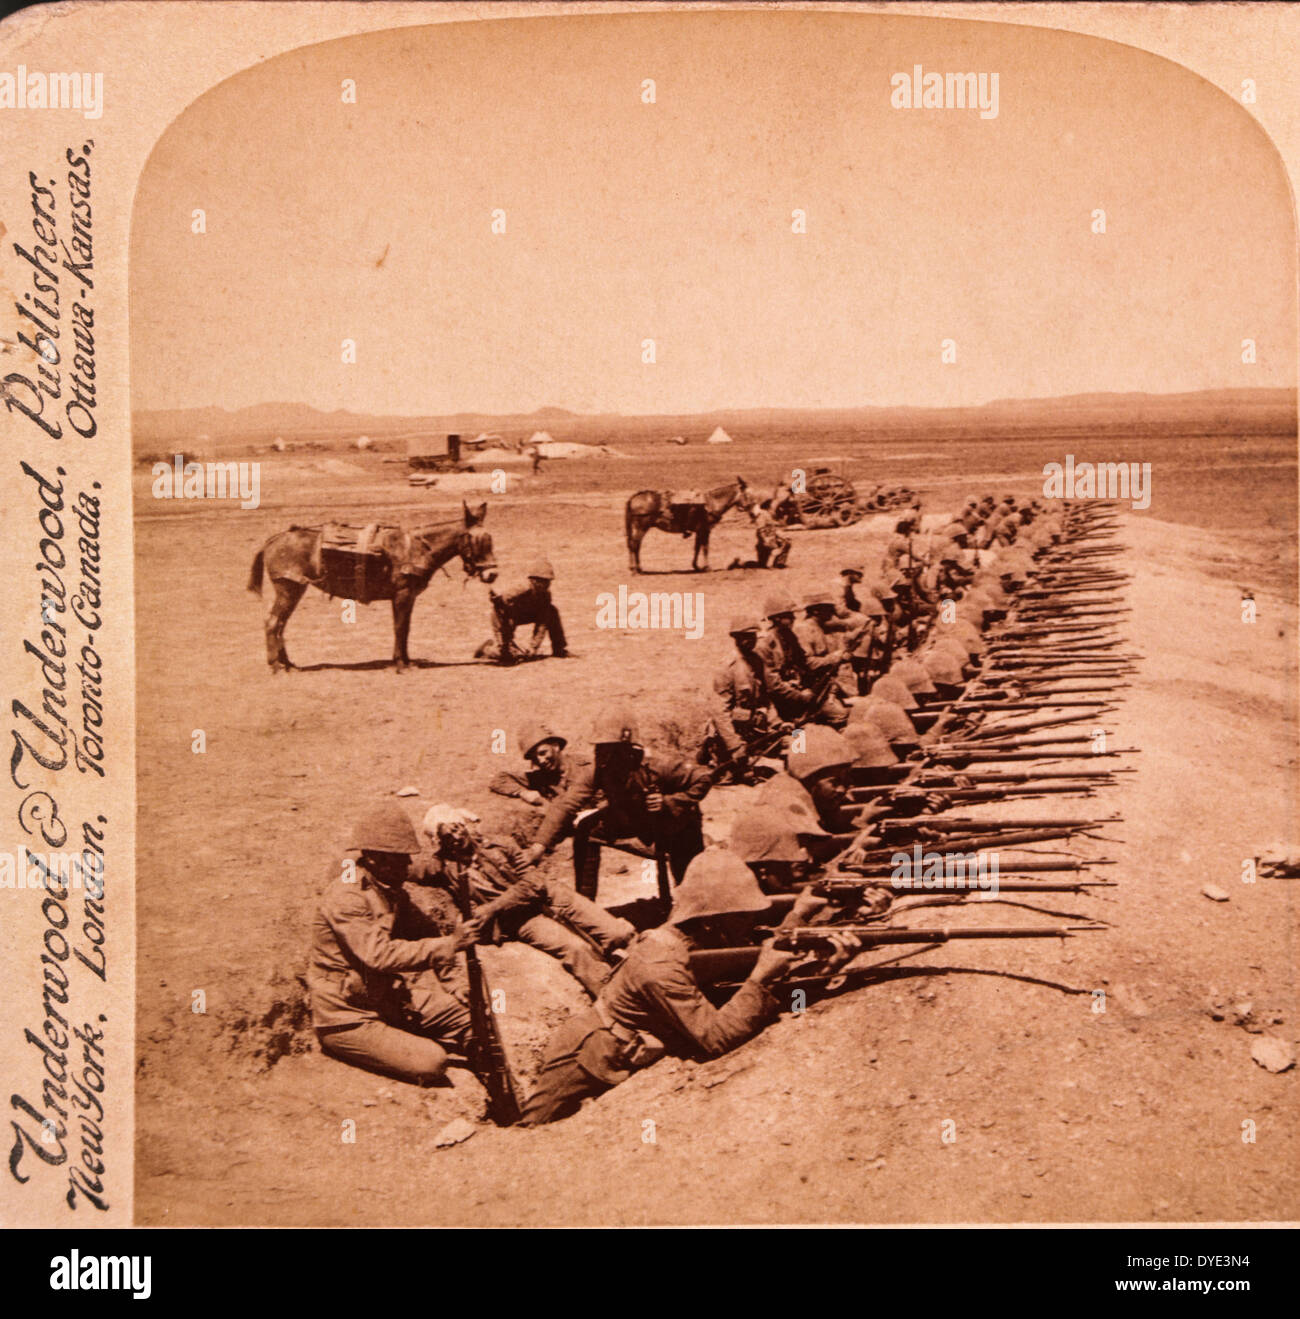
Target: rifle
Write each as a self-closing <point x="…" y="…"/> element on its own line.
<point x="487" y="1052"/>
<point x="840" y="886"/>
<point x="955" y="824"/>
<point x="715" y="964"/>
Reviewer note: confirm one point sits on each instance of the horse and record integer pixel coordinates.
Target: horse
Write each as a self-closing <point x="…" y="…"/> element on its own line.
<point x="654" y="508"/>
<point x="408" y="559"/>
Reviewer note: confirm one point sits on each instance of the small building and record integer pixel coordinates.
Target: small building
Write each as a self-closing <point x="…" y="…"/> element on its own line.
<point x="431" y="453"/>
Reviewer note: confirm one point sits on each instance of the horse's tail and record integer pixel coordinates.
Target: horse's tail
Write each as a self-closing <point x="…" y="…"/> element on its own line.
<point x="255" y="577"/>
<point x="627" y="521"/>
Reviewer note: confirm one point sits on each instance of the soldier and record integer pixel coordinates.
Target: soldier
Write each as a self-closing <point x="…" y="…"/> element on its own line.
<point x="917" y="679"/>
<point x="816" y="781"/>
<point x="508" y="904"/>
<point x="771" y="545"/>
<point x="892" y="720"/>
<point x="945" y="671"/>
<point x="652" y="797"/>
<point x="899" y="550"/>
<point x="827" y="645"/>
<point x="525" y="604"/>
<point x="653" y="1005"/>
<point x="796" y="692"/>
<point x="376" y="998"/>
<point x="848" y="603"/>
<point x="769" y="840"/>
<point x="538" y="780"/>
<point x="742" y="709"/>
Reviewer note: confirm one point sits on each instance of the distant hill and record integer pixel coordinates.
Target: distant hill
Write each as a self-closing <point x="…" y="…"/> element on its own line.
<point x="1209" y="410"/>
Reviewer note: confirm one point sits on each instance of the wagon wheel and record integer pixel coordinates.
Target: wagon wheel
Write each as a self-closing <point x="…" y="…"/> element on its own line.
<point x="831" y="499"/>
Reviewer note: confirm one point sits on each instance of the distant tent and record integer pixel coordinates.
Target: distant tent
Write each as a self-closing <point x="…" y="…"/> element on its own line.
<point x="539" y="438"/>
<point x="719" y="436"/>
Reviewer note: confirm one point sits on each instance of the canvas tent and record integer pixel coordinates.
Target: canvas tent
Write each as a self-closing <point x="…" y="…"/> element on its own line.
<point x="719" y="436"/>
<point x="539" y="438"/>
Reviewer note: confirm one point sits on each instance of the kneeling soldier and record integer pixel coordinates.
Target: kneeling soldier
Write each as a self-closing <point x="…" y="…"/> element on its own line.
<point x="522" y="605"/>
<point x="376" y="999"/>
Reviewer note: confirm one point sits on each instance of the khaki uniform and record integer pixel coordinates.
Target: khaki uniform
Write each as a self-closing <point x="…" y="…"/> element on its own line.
<point x="677" y="829"/>
<point x="787" y="675"/>
<point x="652" y="1005"/>
<point x="547" y="783"/>
<point x="575" y="791"/>
<point x="545" y="914"/>
<point x="377" y="1000"/>
<point x="771" y="546"/>
<point x="516" y="608"/>
<point x="741" y="708"/>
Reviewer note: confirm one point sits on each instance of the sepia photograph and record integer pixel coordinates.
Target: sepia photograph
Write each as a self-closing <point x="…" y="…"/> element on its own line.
<point x="711" y="597"/>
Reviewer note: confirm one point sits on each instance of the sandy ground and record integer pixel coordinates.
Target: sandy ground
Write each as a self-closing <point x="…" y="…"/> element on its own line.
<point x="1061" y="1113"/>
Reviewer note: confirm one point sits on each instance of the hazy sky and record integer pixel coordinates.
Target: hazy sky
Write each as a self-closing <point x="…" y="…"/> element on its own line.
<point x="626" y="221"/>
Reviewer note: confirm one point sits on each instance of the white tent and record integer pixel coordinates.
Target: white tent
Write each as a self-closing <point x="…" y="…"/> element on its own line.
<point x="719" y="436"/>
<point x="539" y="438"/>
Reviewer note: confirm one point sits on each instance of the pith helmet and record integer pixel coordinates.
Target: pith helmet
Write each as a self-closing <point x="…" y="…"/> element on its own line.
<point x="965" y="633"/>
<point x="779" y="603"/>
<point x="615" y="728"/>
<point x="883" y="589"/>
<point x="853" y="567"/>
<point x="788" y="796"/>
<point x="913" y="674"/>
<point x="820" y="600"/>
<point x="740" y="625"/>
<point x="531" y="736"/>
<point x="949" y="643"/>
<point x="943" y="668"/>
<point x="385" y="828"/>
<point x="871" y="605"/>
<point x="541" y="568"/>
<point x="766" y="834"/>
<point x="716" y="883"/>
<point x="889" y="718"/>
<point x="823" y="749"/>
<point x="870" y="746"/>
<point x="890" y="687"/>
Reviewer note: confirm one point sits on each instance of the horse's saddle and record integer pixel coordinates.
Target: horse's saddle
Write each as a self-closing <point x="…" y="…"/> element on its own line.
<point x="685" y="499"/>
<point x="353" y="562"/>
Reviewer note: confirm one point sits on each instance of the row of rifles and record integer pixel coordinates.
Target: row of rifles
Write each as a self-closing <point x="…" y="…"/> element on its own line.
<point x="1029" y="726"/>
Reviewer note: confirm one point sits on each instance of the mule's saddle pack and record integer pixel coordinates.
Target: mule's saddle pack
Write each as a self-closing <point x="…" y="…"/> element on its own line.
<point x="354" y="562"/>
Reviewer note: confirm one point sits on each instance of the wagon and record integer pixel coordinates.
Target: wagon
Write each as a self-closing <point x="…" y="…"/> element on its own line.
<point x="831" y="500"/>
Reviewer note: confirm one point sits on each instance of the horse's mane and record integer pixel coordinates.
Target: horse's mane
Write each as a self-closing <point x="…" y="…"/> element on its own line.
<point x="722" y="489"/>
<point x="436" y="526"/>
